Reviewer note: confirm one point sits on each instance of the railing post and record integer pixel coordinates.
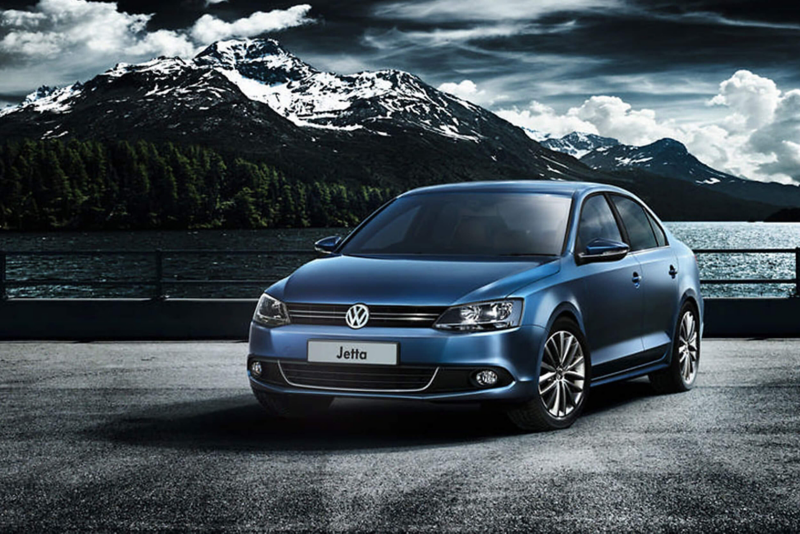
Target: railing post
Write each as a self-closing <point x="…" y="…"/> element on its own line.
<point x="3" y="293"/>
<point x="797" y="272"/>
<point x="159" y="279"/>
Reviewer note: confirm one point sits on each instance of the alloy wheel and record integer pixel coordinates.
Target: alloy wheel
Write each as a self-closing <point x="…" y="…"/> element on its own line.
<point x="562" y="375"/>
<point x="687" y="347"/>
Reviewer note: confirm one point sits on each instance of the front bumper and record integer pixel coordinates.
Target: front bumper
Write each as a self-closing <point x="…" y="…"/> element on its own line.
<point x="451" y="357"/>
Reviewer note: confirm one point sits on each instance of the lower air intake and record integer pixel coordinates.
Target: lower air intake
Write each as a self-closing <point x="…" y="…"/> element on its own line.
<point x="358" y="377"/>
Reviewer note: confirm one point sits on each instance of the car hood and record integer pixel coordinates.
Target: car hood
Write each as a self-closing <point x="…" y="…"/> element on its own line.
<point x="414" y="282"/>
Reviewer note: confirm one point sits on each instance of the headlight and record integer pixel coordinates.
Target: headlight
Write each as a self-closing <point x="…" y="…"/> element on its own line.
<point x="495" y="315"/>
<point x="271" y="312"/>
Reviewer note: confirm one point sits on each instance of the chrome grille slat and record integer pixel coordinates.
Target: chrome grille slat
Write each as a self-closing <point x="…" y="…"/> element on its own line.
<point x="402" y="319"/>
<point x="314" y="372"/>
<point x="379" y="314"/>
<point x="412" y="384"/>
<point x="319" y="313"/>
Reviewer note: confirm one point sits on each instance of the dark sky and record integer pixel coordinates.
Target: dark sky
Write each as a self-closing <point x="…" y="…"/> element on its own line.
<point x="538" y="63"/>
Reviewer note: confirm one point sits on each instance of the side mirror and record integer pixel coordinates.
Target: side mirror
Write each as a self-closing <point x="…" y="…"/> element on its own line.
<point x="327" y="245"/>
<point x="602" y="249"/>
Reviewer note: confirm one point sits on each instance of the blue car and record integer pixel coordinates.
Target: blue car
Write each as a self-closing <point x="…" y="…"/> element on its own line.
<point x="521" y="295"/>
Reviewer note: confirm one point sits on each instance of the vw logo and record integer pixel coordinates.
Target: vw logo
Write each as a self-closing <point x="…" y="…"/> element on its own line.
<point x="357" y="316"/>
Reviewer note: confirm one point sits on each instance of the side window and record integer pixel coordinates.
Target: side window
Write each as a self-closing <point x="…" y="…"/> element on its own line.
<point x="597" y="220"/>
<point x="635" y="220"/>
<point x="661" y="239"/>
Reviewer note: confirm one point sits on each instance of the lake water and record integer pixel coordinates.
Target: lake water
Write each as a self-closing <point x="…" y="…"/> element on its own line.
<point x="266" y="267"/>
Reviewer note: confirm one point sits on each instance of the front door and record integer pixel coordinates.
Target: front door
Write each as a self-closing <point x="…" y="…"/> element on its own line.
<point x="613" y="297"/>
<point x="659" y="282"/>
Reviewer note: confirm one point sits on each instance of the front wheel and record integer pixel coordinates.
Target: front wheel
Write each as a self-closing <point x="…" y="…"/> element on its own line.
<point x="564" y="376"/>
<point x="682" y="371"/>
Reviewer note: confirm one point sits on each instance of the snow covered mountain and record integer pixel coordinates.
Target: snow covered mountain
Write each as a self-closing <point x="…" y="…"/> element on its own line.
<point x="666" y="157"/>
<point x="255" y="97"/>
<point x="578" y="144"/>
<point x="265" y="72"/>
<point x="670" y="158"/>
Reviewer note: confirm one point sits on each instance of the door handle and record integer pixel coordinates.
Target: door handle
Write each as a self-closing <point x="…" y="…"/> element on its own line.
<point x="673" y="271"/>
<point x="636" y="279"/>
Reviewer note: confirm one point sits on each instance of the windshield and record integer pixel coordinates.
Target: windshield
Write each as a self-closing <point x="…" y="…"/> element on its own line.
<point x="492" y="224"/>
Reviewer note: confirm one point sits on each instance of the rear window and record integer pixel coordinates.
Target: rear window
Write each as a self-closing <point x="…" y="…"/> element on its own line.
<point x="661" y="238"/>
<point x="640" y="233"/>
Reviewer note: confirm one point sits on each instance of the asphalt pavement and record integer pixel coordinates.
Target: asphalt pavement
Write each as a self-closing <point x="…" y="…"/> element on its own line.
<point x="167" y="437"/>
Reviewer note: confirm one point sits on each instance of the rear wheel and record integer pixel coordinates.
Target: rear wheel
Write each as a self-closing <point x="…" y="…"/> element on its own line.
<point x="563" y="382"/>
<point x="682" y="372"/>
<point x="292" y="406"/>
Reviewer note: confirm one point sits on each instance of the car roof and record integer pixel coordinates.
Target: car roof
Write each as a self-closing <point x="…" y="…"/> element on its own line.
<point x="522" y="186"/>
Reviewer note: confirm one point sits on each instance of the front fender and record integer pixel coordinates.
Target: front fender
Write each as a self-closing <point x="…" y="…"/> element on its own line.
<point x="547" y="299"/>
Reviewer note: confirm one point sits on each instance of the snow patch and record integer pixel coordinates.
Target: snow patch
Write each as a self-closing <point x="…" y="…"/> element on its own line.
<point x="536" y="135"/>
<point x="57" y="101"/>
<point x="631" y="161"/>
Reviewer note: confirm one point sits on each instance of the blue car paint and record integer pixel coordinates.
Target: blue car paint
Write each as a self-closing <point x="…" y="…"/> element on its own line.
<point x="629" y="327"/>
<point x="350" y="279"/>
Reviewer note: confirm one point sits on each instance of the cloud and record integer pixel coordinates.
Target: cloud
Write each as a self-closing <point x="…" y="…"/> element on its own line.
<point x="480" y="10"/>
<point x="209" y="28"/>
<point x="753" y="98"/>
<point x="466" y="90"/>
<point x="56" y="27"/>
<point x="758" y="139"/>
<point x="609" y="116"/>
<point x="780" y="138"/>
<point x="542" y="118"/>
<point x="213" y="2"/>
<point x="617" y="119"/>
<point x="61" y="41"/>
<point x="710" y="17"/>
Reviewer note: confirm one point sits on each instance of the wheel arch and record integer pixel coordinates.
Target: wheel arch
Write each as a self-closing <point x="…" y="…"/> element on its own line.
<point x="569" y="311"/>
<point x="690" y="298"/>
<point x="695" y="301"/>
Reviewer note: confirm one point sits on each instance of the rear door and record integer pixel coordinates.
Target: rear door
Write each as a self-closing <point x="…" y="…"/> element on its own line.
<point x="659" y="276"/>
<point x="612" y="309"/>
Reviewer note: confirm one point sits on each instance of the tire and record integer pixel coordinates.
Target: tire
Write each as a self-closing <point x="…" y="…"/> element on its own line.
<point x="292" y="406"/>
<point x="681" y="374"/>
<point x="564" y="377"/>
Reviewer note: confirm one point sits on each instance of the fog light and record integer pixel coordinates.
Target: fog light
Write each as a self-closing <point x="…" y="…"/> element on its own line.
<point x="486" y="378"/>
<point x="255" y="368"/>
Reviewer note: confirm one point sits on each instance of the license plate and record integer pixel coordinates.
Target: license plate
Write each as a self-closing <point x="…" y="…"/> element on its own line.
<point x="352" y="352"/>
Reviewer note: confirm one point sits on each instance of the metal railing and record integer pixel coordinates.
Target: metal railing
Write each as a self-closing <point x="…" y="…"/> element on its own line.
<point x="158" y="282"/>
<point x="755" y="281"/>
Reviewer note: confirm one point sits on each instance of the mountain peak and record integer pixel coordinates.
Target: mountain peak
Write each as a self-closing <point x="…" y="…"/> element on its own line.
<point x="42" y="92"/>
<point x="667" y="144"/>
<point x="584" y="137"/>
<point x="235" y="50"/>
<point x="665" y="157"/>
<point x="578" y="144"/>
<point x="262" y="60"/>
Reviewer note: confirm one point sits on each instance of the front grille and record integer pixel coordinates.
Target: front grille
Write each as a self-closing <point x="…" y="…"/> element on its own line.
<point x="383" y="316"/>
<point x="358" y="377"/>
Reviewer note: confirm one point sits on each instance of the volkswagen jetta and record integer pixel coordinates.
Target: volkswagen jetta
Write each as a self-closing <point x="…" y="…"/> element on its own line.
<point x="518" y="294"/>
